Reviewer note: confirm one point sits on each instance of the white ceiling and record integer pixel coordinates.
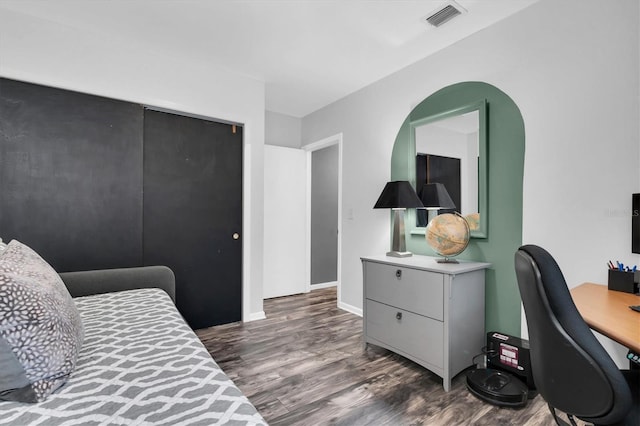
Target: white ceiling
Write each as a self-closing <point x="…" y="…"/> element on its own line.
<point x="309" y="53"/>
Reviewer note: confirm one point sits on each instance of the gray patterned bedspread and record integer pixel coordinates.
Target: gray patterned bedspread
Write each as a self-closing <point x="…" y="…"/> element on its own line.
<point x="140" y="364"/>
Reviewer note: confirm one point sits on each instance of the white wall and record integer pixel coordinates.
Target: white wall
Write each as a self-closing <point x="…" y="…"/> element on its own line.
<point x="47" y="53"/>
<point x="572" y="67"/>
<point x="282" y="130"/>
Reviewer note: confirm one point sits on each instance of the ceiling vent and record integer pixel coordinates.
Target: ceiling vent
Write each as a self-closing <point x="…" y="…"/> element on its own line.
<point x="444" y="14"/>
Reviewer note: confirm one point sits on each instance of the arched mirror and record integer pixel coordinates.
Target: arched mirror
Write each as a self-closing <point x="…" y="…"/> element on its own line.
<point x="451" y="148"/>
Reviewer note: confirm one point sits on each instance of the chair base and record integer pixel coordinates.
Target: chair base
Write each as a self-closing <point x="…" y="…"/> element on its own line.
<point x="558" y="420"/>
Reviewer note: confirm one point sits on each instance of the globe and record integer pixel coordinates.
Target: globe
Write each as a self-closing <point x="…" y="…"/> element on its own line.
<point x="448" y="235"/>
<point x="473" y="219"/>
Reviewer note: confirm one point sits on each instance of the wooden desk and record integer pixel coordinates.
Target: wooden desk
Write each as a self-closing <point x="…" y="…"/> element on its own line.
<point x="608" y="313"/>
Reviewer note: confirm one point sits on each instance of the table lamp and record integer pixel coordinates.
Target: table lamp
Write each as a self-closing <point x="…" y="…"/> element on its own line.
<point x="434" y="196"/>
<point x="398" y="196"/>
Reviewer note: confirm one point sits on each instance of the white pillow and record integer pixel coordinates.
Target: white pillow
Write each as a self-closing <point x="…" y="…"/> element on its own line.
<point x="40" y="328"/>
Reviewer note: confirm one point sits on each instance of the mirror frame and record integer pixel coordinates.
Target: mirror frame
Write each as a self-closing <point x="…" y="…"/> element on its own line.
<point x="483" y="173"/>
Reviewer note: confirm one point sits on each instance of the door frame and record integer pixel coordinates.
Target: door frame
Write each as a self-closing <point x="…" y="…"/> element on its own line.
<point x="310" y="148"/>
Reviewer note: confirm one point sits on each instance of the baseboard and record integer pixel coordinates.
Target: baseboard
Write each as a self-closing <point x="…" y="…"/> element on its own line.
<point x="350" y="308"/>
<point x="254" y="316"/>
<point x="324" y="285"/>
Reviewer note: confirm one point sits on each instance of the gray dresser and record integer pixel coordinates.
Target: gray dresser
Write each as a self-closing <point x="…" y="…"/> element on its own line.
<point x="428" y="312"/>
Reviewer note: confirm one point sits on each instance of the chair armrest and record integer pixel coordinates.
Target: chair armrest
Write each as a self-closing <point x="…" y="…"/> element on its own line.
<point x="85" y="283"/>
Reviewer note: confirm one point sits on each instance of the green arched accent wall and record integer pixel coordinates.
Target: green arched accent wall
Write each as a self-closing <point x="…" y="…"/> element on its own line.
<point x="505" y="150"/>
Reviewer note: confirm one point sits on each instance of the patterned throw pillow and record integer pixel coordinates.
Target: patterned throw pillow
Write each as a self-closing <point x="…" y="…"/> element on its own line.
<point x="40" y="328"/>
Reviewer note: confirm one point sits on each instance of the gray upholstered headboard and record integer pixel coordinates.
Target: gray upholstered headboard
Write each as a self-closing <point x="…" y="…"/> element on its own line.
<point x="85" y="283"/>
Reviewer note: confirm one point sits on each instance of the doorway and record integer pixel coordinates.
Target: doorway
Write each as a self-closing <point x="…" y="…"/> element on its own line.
<point x="324" y="213"/>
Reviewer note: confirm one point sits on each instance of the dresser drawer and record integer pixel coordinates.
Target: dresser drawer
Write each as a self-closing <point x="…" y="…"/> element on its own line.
<point x="418" y="336"/>
<point x="410" y="289"/>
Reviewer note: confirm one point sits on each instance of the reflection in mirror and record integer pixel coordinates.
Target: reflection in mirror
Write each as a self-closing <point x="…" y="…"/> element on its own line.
<point x="447" y="152"/>
<point x="450" y="148"/>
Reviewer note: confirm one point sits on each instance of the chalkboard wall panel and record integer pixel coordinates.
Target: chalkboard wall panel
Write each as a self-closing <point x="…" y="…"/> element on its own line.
<point x="90" y="183"/>
<point x="71" y="176"/>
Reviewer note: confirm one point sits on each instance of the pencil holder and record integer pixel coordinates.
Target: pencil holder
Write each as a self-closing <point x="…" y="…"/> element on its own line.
<point x="623" y="281"/>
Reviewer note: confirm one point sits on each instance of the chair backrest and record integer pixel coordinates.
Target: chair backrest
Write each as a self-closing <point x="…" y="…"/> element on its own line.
<point x="571" y="370"/>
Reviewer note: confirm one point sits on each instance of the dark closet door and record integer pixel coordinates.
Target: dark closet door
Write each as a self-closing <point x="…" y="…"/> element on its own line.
<point x="193" y="212"/>
<point x="437" y="169"/>
<point x="71" y="176"/>
<point x="446" y="170"/>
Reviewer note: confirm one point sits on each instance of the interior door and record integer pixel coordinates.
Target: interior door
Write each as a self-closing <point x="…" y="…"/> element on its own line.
<point x="285" y="177"/>
<point x="440" y="169"/>
<point x="193" y="212"/>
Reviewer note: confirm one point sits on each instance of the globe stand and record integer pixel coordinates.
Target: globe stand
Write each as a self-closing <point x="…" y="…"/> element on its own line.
<point x="447" y="260"/>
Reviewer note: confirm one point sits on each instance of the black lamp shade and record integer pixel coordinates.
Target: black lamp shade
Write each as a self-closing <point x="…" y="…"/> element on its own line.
<point x="435" y="196"/>
<point x="398" y="194"/>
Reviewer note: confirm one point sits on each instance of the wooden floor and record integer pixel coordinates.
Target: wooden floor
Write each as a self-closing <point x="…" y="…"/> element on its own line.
<point x="306" y="365"/>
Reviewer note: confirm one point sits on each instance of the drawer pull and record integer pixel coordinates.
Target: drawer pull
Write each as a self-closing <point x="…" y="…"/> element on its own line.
<point x="399" y="273"/>
<point x="399" y="316"/>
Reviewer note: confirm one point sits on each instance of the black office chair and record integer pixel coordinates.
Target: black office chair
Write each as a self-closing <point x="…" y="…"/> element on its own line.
<point x="571" y="370"/>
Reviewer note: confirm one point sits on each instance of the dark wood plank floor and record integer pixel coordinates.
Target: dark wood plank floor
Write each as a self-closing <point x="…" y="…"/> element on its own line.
<point x="306" y="365"/>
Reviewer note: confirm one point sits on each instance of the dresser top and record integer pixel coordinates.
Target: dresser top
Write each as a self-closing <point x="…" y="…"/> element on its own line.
<point x="428" y="263"/>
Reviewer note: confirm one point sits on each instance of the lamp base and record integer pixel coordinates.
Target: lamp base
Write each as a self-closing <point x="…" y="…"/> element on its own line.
<point x="447" y="260"/>
<point x="399" y="254"/>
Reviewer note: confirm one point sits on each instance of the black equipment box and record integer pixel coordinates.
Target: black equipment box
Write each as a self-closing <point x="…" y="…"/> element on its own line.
<point x="510" y="354"/>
